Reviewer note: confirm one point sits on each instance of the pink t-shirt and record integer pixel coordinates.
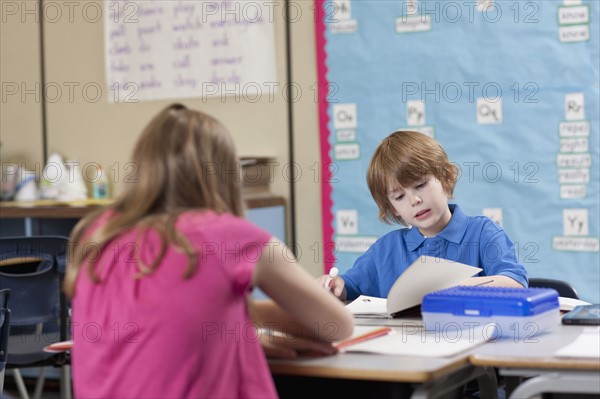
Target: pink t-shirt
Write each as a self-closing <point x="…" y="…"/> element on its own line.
<point x="161" y="336"/>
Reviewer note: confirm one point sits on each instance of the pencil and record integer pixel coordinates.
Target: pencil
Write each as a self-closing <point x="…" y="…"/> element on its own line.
<point x="484" y="283"/>
<point x="363" y="337"/>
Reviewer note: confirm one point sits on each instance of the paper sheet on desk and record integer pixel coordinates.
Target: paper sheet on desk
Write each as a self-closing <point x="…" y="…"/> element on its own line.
<point x="586" y="345"/>
<point x="369" y="306"/>
<point x="568" y="304"/>
<point x="415" y="342"/>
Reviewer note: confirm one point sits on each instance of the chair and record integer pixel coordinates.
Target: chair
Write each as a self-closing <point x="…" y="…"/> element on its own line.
<point x="4" y="330"/>
<point x="32" y="268"/>
<point x="564" y="289"/>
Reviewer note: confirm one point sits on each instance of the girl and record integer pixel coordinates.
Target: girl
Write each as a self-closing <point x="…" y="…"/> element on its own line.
<point x="160" y="279"/>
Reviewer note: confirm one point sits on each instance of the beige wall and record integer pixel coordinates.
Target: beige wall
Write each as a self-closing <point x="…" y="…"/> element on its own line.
<point x="20" y="113"/>
<point x="306" y="141"/>
<point x="89" y="129"/>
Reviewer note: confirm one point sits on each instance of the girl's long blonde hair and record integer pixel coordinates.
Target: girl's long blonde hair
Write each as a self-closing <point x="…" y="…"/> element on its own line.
<point x="184" y="159"/>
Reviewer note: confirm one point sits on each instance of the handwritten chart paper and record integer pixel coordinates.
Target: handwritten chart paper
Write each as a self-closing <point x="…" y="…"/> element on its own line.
<point x="180" y="49"/>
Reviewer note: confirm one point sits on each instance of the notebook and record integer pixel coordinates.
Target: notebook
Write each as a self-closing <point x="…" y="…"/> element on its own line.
<point x="424" y="275"/>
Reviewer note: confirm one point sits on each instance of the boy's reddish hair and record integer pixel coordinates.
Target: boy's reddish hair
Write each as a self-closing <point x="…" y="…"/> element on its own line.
<point x="404" y="158"/>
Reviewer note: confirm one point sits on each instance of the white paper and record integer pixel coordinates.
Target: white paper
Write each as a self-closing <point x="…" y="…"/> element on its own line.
<point x="368" y="306"/>
<point x="425" y="275"/>
<point x="587" y="345"/>
<point x="181" y="49"/>
<point x="568" y="304"/>
<point x="417" y="342"/>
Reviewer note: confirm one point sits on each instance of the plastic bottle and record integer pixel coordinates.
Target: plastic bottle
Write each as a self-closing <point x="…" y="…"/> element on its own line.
<point x="73" y="187"/>
<point x="100" y="186"/>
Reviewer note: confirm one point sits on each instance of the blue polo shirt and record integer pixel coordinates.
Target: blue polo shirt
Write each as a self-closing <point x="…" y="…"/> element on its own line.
<point x="472" y="240"/>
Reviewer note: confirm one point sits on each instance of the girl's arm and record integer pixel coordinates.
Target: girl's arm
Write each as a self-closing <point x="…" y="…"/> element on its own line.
<point x="282" y="342"/>
<point x="302" y="307"/>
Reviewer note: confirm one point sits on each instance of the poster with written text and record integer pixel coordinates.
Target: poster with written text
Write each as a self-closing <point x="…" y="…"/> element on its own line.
<point x="511" y="89"/>
<point x="181" y="48"/>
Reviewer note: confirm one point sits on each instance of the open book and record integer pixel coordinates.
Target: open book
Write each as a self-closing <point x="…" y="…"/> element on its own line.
<point x="425" y="275"/>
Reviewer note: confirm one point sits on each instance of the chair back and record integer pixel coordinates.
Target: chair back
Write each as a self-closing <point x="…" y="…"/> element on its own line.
<point x="564" y="289"/>
<point x="32" y="268"/>
<point x="4" y="330"/>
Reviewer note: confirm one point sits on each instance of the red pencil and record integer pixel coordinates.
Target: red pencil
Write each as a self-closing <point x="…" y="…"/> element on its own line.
<point x="363" y="337"/>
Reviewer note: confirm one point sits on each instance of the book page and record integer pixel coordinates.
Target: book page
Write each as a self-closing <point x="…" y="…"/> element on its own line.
<point x="425" y="275"/>
<point x="368" y="306"/>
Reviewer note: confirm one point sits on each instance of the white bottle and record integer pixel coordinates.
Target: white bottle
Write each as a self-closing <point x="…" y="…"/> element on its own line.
<point x="73" y="188"/>
<point x="54" y="177"/>
<point x="100" y="186"/>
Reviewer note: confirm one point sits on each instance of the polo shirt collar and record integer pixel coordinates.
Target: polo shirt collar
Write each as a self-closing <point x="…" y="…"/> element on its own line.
<point x="453" y="232"/>
<point x="414" y="239"/>
<point x="456" y="228"/>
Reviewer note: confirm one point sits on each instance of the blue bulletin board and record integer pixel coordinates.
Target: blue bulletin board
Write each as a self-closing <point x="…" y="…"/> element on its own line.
<point x="511" y="89"/>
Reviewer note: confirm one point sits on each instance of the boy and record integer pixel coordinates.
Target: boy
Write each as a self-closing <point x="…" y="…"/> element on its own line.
<point x="411" y="180"/>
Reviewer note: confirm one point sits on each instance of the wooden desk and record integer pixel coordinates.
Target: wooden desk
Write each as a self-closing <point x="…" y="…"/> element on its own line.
<point x="535" y="358"/>
<point x="428" y="377"/>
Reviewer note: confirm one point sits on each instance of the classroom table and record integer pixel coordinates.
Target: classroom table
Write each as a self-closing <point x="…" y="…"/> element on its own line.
<point x="420" y="377"/>
<point x="529" y="361"/>
<point x="534" y="357"/>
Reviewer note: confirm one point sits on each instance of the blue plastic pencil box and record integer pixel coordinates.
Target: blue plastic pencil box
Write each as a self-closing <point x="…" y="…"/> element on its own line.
<point x="503" y="312"/>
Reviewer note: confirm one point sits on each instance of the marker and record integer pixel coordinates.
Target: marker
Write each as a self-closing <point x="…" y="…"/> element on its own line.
<point x="333" y="272"/>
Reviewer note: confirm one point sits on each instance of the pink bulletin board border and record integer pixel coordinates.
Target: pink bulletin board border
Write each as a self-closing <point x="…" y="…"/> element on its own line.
<point x="323" y="91"/>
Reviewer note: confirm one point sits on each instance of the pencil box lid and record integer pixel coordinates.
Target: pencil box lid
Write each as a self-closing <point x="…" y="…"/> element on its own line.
<point x="490" y="301"/>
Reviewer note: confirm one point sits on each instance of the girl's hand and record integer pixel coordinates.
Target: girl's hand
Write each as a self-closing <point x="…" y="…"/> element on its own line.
<point x="280" y="345"/>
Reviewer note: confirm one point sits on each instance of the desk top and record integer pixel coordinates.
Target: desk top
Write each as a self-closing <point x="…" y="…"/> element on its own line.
<point x="536" y="352"/>
<point x="48" y="209"/>
<point x="372" y="366"/>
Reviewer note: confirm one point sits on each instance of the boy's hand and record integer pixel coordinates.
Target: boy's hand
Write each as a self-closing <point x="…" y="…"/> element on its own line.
<point x="336" y="284"/>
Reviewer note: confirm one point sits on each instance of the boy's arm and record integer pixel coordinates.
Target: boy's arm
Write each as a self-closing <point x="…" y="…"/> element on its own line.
<point x="363" y="277"/>
<point x="500" y="262"/>
<point x="492" y="281"/>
